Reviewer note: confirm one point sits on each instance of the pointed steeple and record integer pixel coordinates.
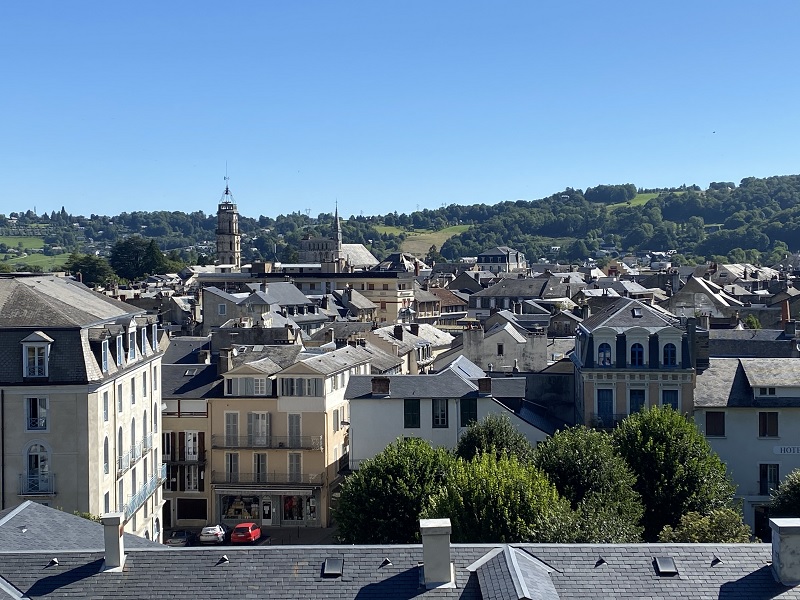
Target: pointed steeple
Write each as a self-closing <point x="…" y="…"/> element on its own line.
<point x="337" y="225"/>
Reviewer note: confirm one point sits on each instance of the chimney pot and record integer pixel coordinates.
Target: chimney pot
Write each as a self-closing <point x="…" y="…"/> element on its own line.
<point x="113" y="524"/>
<point x="786" y="550"/>
<point x="437" y="569"/>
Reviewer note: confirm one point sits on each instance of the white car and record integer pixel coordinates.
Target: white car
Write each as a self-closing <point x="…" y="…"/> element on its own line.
<point x="213" y="534"/>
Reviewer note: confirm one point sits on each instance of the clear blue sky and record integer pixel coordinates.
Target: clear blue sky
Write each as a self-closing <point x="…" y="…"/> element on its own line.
<point x="386" y="105"/>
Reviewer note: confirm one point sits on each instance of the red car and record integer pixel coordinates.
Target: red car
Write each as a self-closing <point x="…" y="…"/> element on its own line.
<point x="245" y="533"/>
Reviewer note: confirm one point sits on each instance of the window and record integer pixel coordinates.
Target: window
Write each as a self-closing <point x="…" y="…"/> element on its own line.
<point x="222" y="310"/>
<point x="260" y="467"/>
<point x="768" y="478"/>
<point x="411" y="413"/>
<point x="144" y="341"/>
<point x="385" y="286"/>
<point x="154" y="335"/>
<point x="192" y="478"/>
<point x="636" y="400"/>
<point x="231" y="429"/>
<point x="370" y="286"/>
<point x="119" y="350"/>
<point x="107" y="502"/>
<point x="637" y="355"/>
<point x="232" y="467"/>
<point x="768" y="424"/>
<point x="36" y="360"/>
<point x="295" y="467"/>
<point x="715" y="423"/>
<point x="766" y="391"/>
<point x="383" y="305"/>
<point x="604" y="355"/>
<point x="192" y="445"/>
<point x="38" y="470"/>
<point x="259" y="386"/>
<point x="166" y="445"/>
<point x="105" y="456"/>
<point x="133" y="391"/>
<point x="500" y="349"/>
<point x="155" y="417"/>
<point x="258" y="429"/>
<point x="144" y="385"/>
<point x="155" y="378"/>
<point x="605" y="406"/>
<point x="36" y="414"/>
<point x="670" y="355"/>
<point x="439" y="413"/>
<point x="469" y="411"/>
<point x="121" y="495"/>
<point x="294" y="430"/>
<point x="105" y="406"/>
<point x="119" y="397"/>
<point x="669" y="398"/>
<point x="335" y="419"/>
<point x="132" y="345"/>
<point x="104" y="356"/>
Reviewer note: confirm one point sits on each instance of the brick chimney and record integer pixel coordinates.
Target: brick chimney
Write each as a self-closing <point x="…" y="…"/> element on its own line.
<point x="485" y="386"/>
<point x="786" y="550"/>
<point x="437" y="568"/>
<point x="112" y="535"/>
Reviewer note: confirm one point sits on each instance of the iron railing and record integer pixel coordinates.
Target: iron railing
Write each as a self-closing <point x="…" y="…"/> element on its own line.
<point x="265" y="477"/>
<point x="37" y="485"/>
<point x="303" y="442"/>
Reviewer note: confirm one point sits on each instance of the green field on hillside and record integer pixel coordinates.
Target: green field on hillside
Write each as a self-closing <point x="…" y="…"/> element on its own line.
<point x="419" y="242"/>
<point x="638" y="200"/>
<point x="13" y="241"/>
<point x="47" y="263"/>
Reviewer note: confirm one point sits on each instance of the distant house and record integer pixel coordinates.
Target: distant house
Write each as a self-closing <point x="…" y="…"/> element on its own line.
<point x="501" y="259"/>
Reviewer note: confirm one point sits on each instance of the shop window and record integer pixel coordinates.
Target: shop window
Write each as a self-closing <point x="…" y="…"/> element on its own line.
<point x="192" y="508"/>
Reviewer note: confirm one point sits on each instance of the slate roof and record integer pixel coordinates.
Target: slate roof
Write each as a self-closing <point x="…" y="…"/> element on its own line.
<point x="337" y="360"/>
<point x="358" y="256"/>
<point x="751" y="343"/>
<point x="620" y="316"/>
<point x="34" y="526"/>
<point x="201" y="382"/>
<point x="48" y="301"/>
<point x="729" y="382"/>
<point x="183" y="349"/>
<point x="445" y="384"/>
<point x="482" y="572"/>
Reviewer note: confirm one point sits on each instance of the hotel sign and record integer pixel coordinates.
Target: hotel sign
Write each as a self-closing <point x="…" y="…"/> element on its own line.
<point x="786" y="449"/>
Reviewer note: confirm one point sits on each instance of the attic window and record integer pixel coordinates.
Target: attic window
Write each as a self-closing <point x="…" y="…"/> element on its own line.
<point x="332" y="567"/>
<point x="190" y="372"/>
<point x="665" y="566"/>
<point x="637" y="313"/>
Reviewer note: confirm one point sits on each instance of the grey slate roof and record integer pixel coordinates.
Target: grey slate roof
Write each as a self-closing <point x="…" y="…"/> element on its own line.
<point x="535" y="571"/>
<point x="729" y="382"/>
<point x="183" y="349"/>
<point x="33" y="526"/>
<point x="620" y="316"/>
<point x="445" y="384"/>
<point x="201" y="382"/>
<point x="751" y="343"/>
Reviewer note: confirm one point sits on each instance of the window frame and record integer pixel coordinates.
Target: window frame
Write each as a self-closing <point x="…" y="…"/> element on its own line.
<point x="669" y="355"/>
<point x="412" y="414"/>
<point x="636" y="355"/>
<point x="768" y="424"/>
<point x="468" y="411"/>
<point x="440" y="413"/>
<point x="39" y="370"/>
<point x="716" y="429"/>
<point x="45" y="427"/>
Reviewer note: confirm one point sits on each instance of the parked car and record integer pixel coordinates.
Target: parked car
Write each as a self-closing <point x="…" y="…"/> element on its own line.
<point x="245" y="533"/>
<point x="180" y="537"/>
<point x="214" y="534"/>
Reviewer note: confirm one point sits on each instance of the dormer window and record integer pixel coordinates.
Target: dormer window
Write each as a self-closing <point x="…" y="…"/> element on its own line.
<point x="670" y="355"/>
<point x="104" y="356"/>
<point x="154" y="336"/>
<point x="132" y="345"/>
<point x="604" y="355"/>
<point x="120" y="351"/>
<point x="36" y="354"/>
<point x="637" y="355"/>
<point x="144" y="341"/>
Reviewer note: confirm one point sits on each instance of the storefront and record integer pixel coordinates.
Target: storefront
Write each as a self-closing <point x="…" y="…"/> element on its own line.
<point x="269" y="508"/>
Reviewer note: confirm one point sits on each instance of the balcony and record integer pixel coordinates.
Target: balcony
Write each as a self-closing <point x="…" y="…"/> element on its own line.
<point x="296" y="442"/>
<point x="264" y="478"/>
<point x="184" y="458"/>
<point x="607" y="421"/>
<point x="148" y="489"/>
<point x="37" y="423"/>
<point x="148" y="442"/>
<point x="128" y="459"/>
<point x="37" y="485"/>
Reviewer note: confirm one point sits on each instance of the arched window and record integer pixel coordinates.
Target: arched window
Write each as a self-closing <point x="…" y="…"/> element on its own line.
<point x="105" y="456"/>
<point x="670" y="355"/>
<point x="119" y="444"/>
<point x="604" y="355"/>
<point x="144" y="425"/>
<point x="38" y="476"/>
<point x="637" y="355"/>
<point x="155" y="417"/>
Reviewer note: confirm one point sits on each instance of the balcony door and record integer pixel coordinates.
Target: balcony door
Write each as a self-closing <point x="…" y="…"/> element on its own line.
<point x="294" y="431"/>
<point x="38" y="477"/>
<point x="258" y="429"/>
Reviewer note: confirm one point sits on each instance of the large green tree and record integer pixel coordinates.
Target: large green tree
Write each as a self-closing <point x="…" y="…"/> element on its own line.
<point x="491" y="500"/>
<point x="494" y="434"/>
<point x="588" y="471"/>
<point x="786" y="499"/>
<point x="382" y="502"/>
<point x="676" y="470"/>
<point x="720" y="526"/>
<point x="135" y="257"/>
<point x="93" y="270"/>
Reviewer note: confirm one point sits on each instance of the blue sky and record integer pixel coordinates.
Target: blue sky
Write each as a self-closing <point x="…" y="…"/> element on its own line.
<point x="120" y="106"/>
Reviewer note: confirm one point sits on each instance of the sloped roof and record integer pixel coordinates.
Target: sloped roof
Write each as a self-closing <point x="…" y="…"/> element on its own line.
<point x="621" y="315"/>
<point x="47" y="301"/>
<point x="189" y="381"/>
<point x="358" y="256"/>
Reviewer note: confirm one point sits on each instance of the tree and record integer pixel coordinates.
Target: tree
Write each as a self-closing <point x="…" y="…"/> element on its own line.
<point x="494" y="500"/>
<point x="786" y="499"/>
<point x="494" y="434"/>
<point x="433" y="255"/>
<point x="135" y="257"/>
<point x="720" y="526"/>
<point x="93" y="270"/>
<point x="752" y="322"/>
<point x="382" y="502"/>
<point x="676" y="470"/>
<point x="587" y="470"/>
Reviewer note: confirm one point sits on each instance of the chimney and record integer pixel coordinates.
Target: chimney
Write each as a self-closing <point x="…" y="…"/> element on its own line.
<point x="485" y="386"/>
<point x="398" y="332"/>
<point x="112" y="535"/>
<point x="415" y="328"/>
<point x="437" y="568"/>
<point x="790" y="328"/>
<point x="786" y="550"/>
<point x="204" y="357"/>
<point x="416" y="268"/>
<point x="380" y="386"/>
<point x="225" y="362"/>
<point x="786" y="313"/>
